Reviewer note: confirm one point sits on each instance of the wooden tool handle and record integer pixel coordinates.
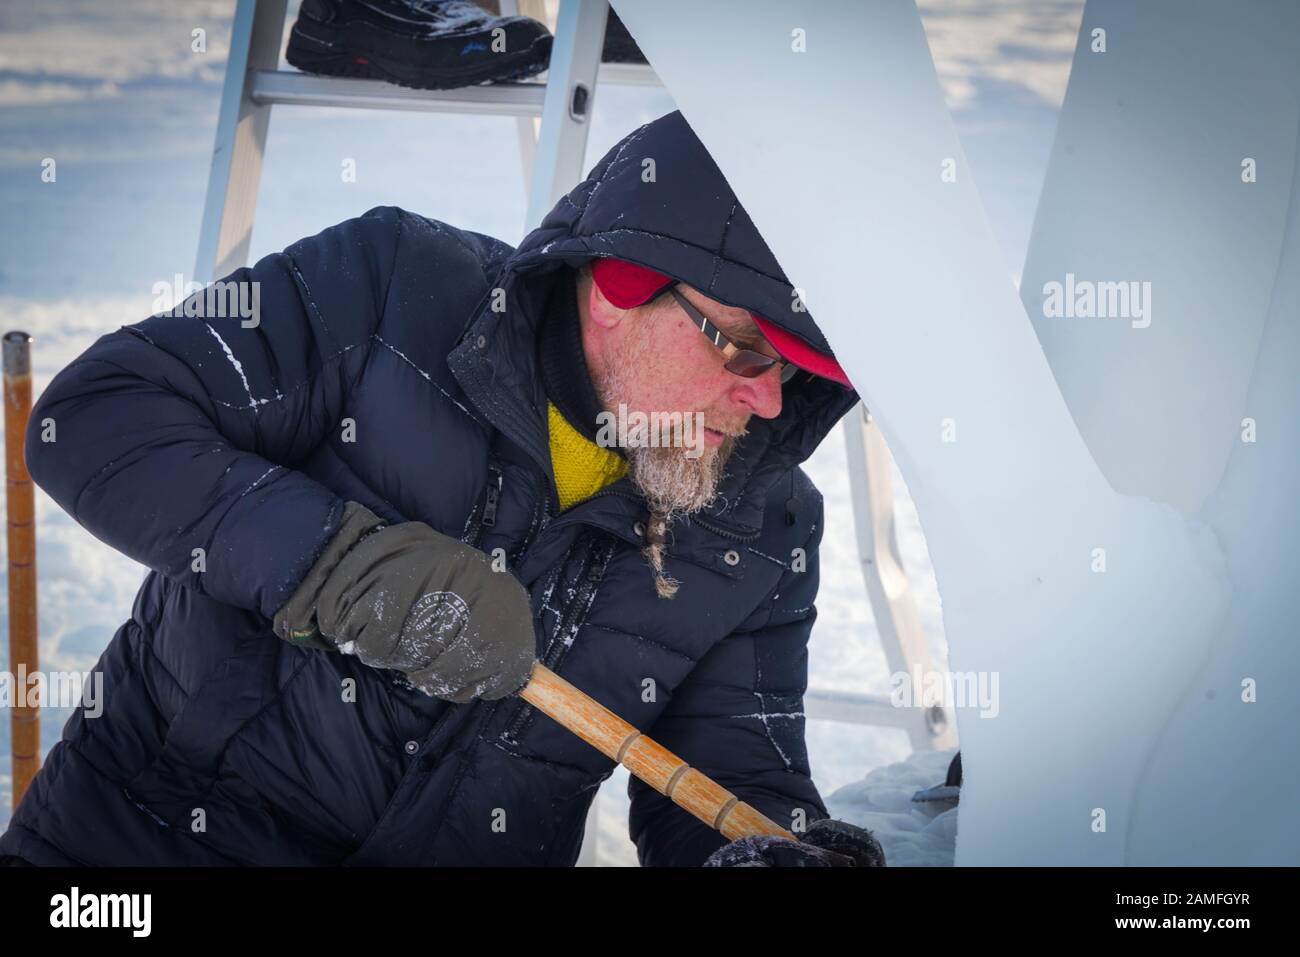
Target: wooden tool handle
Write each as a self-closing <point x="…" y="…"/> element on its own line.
<point x="647" y="760"/>
<point x="20" y="505"/>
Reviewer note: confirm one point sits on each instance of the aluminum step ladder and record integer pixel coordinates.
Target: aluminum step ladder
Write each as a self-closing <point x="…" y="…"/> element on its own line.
<point x="552" y="158"/>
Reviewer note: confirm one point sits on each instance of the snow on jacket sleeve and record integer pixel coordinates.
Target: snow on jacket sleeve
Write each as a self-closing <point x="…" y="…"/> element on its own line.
<point x="738" y="718"/>
<point x="179" y="433"/>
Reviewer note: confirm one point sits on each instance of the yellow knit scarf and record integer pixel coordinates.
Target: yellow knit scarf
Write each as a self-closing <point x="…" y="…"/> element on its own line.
<point x="581" y="467"/>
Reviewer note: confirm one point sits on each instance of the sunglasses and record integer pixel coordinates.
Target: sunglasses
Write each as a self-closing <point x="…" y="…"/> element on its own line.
<point x="740" y="361"/>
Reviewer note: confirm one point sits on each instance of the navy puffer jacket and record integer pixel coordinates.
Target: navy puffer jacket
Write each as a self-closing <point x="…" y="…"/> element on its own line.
<point x="380" y="373"/>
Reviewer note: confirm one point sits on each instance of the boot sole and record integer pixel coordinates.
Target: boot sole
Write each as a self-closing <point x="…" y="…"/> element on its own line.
<point x="303" y="54"/>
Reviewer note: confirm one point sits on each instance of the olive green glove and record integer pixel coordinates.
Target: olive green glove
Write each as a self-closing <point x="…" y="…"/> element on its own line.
<point x="410" y="598"/>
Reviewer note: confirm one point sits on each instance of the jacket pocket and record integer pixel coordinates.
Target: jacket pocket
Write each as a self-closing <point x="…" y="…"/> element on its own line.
<point x="236" y="690"/>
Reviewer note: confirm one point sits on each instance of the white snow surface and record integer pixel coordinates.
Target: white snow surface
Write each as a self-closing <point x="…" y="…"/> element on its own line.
<point x="912" y="833"/>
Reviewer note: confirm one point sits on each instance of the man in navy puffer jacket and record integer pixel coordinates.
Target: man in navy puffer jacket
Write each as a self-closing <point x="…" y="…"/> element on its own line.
<point x="292" y="482"/>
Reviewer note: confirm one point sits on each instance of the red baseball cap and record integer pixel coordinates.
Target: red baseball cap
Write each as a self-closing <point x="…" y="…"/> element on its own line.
<point x="628" y="285"/>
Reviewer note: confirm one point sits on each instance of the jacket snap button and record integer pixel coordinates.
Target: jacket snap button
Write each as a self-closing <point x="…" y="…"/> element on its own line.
<point x="412" y="747"/>
<point x="639" y="530"/>
<point x="732" y="557"/>
<point x="482" y="342"/>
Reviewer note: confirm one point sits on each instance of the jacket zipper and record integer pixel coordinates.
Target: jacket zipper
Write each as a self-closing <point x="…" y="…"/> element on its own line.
<point x="591" y="573"/>
<point x="485" y="510"/>
<point x="490" y="501"/>
<point x="717" y="530"/>
<point x="536" y="524"/>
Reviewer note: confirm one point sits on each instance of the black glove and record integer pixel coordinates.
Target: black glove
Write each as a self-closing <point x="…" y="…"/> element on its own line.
<point x="826" y="843"/>
<point x="410" y="598"/>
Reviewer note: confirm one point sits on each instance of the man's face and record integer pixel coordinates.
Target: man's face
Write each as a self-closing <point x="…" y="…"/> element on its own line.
<point x="654" y="359"/>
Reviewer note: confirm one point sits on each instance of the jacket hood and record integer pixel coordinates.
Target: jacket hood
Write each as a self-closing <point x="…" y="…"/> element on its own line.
<point x="658" y="199"/>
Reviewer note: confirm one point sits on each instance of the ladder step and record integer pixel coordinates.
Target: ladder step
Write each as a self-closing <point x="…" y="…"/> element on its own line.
<point x="627" y="74"/>
<point x="851" y="707"/>
<point x="293" y="88"/>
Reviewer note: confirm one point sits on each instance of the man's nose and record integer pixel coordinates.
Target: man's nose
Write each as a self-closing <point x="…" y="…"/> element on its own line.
<point x="761" y="394"/>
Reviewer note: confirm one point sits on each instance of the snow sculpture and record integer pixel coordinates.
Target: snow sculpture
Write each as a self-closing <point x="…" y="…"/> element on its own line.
<point x="1107" y="614"/>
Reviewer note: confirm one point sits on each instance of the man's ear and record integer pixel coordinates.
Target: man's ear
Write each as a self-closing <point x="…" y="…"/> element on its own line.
<point x="593" y="303"/>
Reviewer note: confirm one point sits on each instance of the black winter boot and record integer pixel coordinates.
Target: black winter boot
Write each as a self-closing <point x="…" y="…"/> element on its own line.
<point x="427" y="44"/>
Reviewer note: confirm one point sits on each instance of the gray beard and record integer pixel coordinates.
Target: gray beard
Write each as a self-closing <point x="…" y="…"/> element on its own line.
<point x="674" y="484"/>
